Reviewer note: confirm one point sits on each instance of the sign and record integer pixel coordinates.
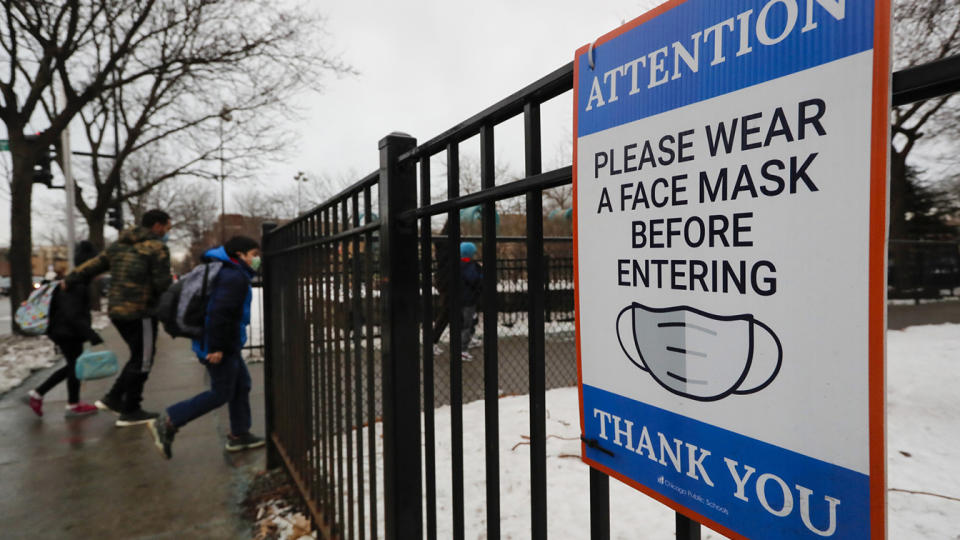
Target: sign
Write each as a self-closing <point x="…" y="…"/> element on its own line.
<point x="730" y="178"/>
<point x="4" y="145"/>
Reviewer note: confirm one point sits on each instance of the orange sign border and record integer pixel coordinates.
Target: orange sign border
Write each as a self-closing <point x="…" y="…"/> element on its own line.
<point x="877" y="271"/>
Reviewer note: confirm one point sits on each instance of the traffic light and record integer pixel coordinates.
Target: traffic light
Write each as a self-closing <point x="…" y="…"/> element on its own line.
<point x="41" y="168"/>
<point x="115" y="217"/>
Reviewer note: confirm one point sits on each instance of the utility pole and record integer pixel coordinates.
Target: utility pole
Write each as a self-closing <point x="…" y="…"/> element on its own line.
<point x="65" y="165"/>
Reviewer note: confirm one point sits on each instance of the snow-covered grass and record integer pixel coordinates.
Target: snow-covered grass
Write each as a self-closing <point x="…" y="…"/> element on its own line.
<point x="923" y="456"/>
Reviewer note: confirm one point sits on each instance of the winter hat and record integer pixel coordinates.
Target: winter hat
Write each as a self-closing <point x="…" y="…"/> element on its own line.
<point x="468" y="250"/>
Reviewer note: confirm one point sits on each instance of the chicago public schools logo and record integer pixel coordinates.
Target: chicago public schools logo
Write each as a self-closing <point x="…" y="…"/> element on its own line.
<point x="699" y="355"/>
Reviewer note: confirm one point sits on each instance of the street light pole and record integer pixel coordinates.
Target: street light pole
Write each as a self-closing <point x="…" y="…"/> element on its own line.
<point x="298" y="178"/>
<point x="224" y="117"/>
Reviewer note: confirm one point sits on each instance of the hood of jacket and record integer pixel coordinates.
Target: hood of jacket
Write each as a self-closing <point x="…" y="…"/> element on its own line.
<point x="135" y="235"/>
<point x="220" y="254"/>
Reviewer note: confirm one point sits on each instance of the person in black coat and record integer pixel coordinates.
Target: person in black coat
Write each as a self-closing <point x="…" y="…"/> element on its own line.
<point x="472" y="274"/>
<point x="69" y="327"/>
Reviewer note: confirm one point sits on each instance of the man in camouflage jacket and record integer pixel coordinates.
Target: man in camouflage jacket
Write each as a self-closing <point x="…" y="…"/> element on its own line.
<point x="139" y="264"/>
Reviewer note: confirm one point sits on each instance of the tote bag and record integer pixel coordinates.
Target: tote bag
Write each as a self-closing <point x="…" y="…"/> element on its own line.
<point x="96" y="365"/>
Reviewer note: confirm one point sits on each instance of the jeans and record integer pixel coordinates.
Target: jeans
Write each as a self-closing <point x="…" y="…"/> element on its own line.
<point x="71" y="349"/>
<point x="141" y="337"/>
<point x="229" y="383"/>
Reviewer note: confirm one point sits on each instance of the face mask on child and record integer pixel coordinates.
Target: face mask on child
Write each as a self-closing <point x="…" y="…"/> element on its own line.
<point x="255" y="263"/>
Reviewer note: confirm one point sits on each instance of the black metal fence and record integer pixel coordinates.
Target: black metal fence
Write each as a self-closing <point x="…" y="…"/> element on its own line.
<point x="352" y="378"/>
<point x="253" y="348"/>
<point x="923" y="269"/>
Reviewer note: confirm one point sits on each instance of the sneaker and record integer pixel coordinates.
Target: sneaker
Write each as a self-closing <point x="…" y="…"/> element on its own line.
<point x="33" y="400"/>
<point x="163" y="432"/>
<point x="236" y="443"/>
<point x="437" y="349"/>
<point x="476" y="342"/>
<point x="106" y="403"/>
<point x="133" y="418"/>
<point x="79" y="409"/>
<point x="466" y="357"/>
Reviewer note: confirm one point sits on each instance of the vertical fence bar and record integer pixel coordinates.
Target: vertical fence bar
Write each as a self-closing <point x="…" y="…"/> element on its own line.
<point x="311" y="360"/>
<point x="401" y="381"/>
<point x="301" y="355"/>
<point x="599" y="505"/>
<point x="266" y="303"/>
<point x="329" y="432"/>
<point x="538" y="428"/>
<point x="455" y="317"/>
<point x="491" y="373"/>
<point x="356" y="323"/>
<point x="371" y="372"/>
<point x="320" y="378"/>
<point x="426" y="295"/>
<point x="338" y="389"/>
<point x="346" y="301"/>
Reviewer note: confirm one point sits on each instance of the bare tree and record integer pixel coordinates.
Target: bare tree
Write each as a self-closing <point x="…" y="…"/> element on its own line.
<point x="222" y="103"/>
<point x="924" y="31"/>
<point x="63" y="57"/>
<point x="271" y="203"/>
<point x="193" y="204"/>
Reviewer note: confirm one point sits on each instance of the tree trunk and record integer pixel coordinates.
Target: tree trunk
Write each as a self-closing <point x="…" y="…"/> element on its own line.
<point x="95" y="223"/>
<point x="21" y="247"/>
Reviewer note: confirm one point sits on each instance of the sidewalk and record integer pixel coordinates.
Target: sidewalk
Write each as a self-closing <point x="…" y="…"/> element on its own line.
<point x="85" y="478"/>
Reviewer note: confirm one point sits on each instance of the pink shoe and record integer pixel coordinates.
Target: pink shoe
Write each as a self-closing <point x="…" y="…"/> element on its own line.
<point x="34" y="401"/>
<point x="79" y="409"/>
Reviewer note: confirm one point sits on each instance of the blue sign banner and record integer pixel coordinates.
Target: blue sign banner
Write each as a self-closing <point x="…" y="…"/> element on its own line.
<point x="699" y="50"/>
<point x="752" y="487"/>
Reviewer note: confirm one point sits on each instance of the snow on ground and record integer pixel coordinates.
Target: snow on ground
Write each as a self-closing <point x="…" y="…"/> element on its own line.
<point x="923" y="456"/>
<point x="22" y="355"/>
<point x="923" y="439"/>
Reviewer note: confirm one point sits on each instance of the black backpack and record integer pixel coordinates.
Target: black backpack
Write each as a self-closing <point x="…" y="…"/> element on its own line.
<point x="182" y="307"/>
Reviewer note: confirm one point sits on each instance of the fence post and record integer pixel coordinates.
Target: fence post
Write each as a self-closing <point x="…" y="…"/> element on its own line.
<point x="687" y="529"/>
<point x="399" y="289"/>
<point x="273" y="457"/>
<point x="599" y="505"/>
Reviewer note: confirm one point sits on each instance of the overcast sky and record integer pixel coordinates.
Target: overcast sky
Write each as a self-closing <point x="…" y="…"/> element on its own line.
<point x="425" y="65"/>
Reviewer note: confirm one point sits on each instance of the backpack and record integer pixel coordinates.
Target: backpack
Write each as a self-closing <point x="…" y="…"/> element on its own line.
<point x="33" y="315"/>
<point x="182" y="307"/>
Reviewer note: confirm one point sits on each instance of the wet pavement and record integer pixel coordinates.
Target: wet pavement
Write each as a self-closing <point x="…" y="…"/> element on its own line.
<point x="86" y="478"/>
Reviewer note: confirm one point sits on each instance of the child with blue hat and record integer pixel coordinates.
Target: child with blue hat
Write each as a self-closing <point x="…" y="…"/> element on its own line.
<point x="472" y="274"/>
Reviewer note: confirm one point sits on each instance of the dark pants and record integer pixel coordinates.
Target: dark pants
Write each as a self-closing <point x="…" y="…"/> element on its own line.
<point x="469" y="325"/>
<point x="229" y="384"/>
<point x="71" y="349"/>
<point x="141" y="337"/>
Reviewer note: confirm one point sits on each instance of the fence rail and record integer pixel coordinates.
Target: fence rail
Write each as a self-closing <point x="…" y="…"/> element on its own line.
<point x="352" y="377"/>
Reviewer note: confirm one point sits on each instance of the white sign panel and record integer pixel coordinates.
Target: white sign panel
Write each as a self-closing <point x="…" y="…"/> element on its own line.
<point x="730" y="188"/>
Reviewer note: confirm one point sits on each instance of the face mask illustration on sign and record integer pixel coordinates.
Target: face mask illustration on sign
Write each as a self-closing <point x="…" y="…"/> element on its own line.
<point x="700" y="355"/>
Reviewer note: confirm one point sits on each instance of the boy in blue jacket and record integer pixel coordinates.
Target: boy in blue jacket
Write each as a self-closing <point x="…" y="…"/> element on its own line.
<point x="224" y="333"/>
